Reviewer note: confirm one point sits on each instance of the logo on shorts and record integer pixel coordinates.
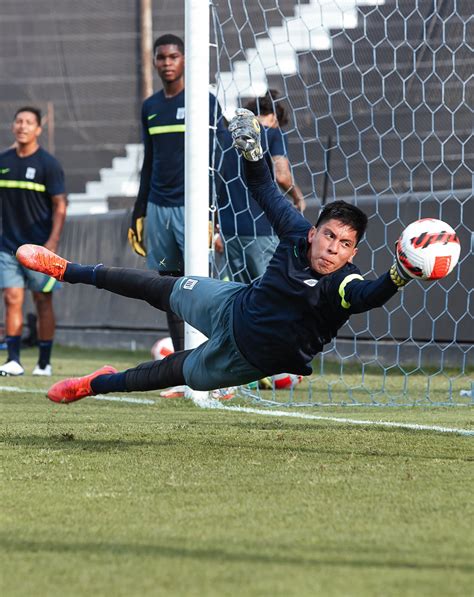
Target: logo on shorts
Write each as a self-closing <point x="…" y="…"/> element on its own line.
<point x="30" y="173"/>
<point x="4" y="170"/>
<point x="311" y="282"/>
<point x="180" y="113"/>
<point x="190" y="284"/>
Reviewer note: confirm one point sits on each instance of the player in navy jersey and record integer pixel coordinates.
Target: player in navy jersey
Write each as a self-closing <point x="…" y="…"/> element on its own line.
<point x="161" y="193"/>
<point x="276" y="324"/>
<point x="248" y="239"/>
<point x="33" y="209"/>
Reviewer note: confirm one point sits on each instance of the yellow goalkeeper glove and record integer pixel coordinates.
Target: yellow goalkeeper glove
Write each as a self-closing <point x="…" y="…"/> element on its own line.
<point x="136" y="236"/>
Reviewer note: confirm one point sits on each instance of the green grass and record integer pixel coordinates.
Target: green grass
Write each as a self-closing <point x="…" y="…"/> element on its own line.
<point x="125" y="499"/>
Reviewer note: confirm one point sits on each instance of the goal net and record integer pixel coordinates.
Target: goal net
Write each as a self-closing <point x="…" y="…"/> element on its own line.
<point x="379" y="99"/>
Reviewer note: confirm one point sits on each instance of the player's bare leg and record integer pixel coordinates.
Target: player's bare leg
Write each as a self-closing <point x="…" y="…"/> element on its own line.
<point x="46" y="328"/>
<point x="13" y="300"/>
<point x="46" y="321"/>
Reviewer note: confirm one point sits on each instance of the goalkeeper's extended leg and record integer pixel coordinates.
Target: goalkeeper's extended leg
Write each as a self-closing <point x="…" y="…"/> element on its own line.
<point x="153" y="375"/>
<point x="133" y="283"/>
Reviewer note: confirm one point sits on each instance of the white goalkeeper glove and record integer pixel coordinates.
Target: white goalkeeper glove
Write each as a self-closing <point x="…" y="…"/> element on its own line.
<point x="245" y="130"/>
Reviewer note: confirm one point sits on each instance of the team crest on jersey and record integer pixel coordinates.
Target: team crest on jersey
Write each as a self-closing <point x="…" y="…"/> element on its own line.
<point x="311" y="282"/>
<point x="180" y="113"/>
<point x="30" y="173"/>
<point x="189" y="284"/>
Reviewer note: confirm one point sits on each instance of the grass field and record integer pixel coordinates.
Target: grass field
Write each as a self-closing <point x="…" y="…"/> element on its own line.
<point x="120" y="499"/>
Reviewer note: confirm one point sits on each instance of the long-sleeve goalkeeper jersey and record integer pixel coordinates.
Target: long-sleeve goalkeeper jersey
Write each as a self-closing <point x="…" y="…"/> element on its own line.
<point x="281" y="321"/>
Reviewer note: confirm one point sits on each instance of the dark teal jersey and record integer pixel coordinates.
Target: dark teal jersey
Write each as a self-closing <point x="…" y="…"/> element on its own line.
<point x="26" y="187"/>
<point x="162" y="178"/>
<point x="286" y="317"/>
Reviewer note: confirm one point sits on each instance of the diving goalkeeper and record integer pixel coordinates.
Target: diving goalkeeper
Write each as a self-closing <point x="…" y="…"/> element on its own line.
<point x="276" y="324"/>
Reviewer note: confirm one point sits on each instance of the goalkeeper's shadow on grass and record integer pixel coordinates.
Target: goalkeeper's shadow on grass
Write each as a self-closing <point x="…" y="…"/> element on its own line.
<point x="246" y="553"/>
<point x="68" y="441"/>
<point x="73" y="442"/>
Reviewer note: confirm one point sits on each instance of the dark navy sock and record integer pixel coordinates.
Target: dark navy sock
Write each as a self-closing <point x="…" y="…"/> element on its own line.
<point x="45" y="347"/>
<point x="112" y="382"/>
<point x="81" y="274"/>
<point x="13" y="348"/>
<point x="155" y="375"/>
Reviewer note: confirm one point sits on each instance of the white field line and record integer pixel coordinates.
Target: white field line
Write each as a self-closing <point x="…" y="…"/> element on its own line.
<point x="215" y="404"/>
<point x="98" y="397"/>
<point x="124" y="399"/>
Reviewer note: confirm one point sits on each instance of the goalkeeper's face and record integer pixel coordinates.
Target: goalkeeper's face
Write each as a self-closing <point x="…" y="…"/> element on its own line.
<point x="331" y="245"/>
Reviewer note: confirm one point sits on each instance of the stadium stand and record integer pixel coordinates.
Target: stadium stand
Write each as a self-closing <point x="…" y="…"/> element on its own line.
<point x="365" y="90"/>
<point x="83" y="58"/>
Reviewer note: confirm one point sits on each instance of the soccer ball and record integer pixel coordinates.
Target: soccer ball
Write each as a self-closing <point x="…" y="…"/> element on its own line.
<point x="285" y="381"/>
<point x="162" y="348"/>
<point x="428" y="249"/>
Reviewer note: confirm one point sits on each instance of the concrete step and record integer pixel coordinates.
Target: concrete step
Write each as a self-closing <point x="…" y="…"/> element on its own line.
<point x="80" y="203"/>
<point x="112" y="186"/>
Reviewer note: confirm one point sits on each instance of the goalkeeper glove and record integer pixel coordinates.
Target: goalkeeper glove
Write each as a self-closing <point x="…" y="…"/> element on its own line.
<point x="245" y="130"/>
<point x="137" y="228"/>
<point x="398" y="273"/>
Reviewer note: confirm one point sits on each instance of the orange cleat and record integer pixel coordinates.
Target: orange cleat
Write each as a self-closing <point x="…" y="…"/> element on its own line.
<point x="42" y="260"/>
<point x="75" y="388"/>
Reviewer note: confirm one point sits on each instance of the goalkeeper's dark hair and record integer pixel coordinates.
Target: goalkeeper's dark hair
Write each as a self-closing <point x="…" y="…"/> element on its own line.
<point x="346" y="213"/>
<point x="169" y="40"/>
<point x="270" y="103"/>
<point x="33" y="110"/>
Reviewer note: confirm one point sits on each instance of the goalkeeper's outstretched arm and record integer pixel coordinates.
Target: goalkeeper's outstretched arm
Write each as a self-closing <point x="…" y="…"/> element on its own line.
<point x="359" y="295"/>
<point x="245" y="130"/>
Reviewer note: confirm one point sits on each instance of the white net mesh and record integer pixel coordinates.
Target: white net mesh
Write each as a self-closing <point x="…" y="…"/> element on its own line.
<point x="380" y="102"/>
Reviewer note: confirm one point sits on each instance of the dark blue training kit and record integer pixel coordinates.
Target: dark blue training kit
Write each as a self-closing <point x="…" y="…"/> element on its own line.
<point x="283" y="320"/>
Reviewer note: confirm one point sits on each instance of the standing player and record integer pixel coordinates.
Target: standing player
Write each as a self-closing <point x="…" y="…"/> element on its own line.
<point x="161" y="194"/>
<point x="248" y="237"/>
<point x="276" y="324"/>
<point x="33" y="209"/>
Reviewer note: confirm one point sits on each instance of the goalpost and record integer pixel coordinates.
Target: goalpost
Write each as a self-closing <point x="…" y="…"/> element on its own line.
<point x="378" y="95"/>
<point x="196" y="214"/>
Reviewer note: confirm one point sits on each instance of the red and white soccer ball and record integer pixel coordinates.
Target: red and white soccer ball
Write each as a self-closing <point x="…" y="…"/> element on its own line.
<point x="428" y="249"/>
<point x="161" y="349"/>
<point x="285" y="381"/>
